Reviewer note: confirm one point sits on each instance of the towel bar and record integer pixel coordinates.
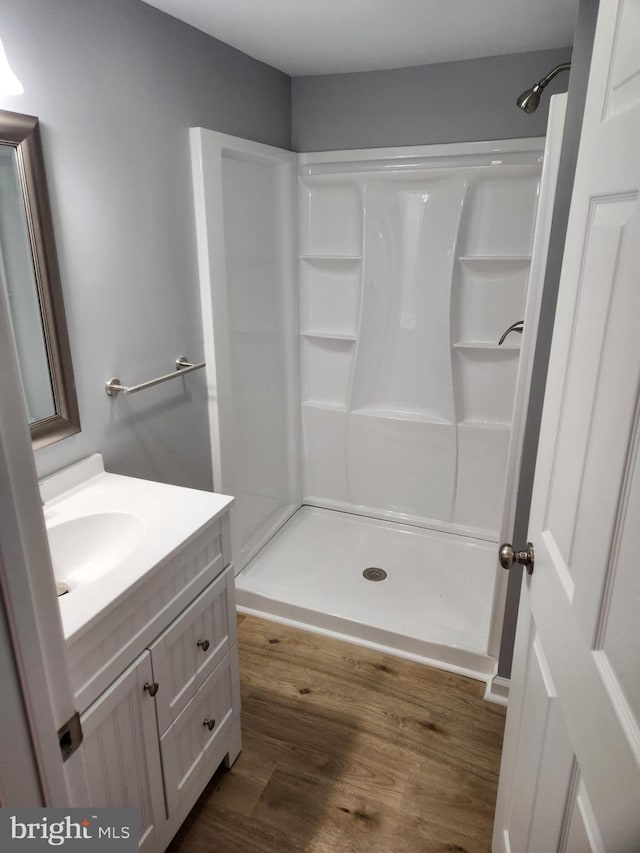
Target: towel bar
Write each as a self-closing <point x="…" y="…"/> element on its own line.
<point x="113" y="386"/>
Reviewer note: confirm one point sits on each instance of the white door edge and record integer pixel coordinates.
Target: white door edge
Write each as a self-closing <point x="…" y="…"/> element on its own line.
<point x="28" y="591"/>
<point x="539" y="252"/>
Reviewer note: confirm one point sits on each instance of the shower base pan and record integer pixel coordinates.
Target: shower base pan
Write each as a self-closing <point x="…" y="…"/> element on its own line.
<point x="433" y="606"/>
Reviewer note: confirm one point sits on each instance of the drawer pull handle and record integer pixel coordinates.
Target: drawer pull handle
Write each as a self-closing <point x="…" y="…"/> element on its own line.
<point x="152" y="688"/>
<point x="203" y="644"/>
<point x="209" y="724"/>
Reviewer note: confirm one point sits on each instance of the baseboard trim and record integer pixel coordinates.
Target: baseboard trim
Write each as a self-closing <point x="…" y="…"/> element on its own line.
<point x="498" y="690"/>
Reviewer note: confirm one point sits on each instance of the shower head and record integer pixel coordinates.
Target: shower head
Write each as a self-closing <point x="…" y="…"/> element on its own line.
<point x="529" y="99"/>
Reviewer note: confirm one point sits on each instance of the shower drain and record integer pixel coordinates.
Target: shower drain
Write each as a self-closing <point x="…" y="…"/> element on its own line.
<point x="374" y="574"/>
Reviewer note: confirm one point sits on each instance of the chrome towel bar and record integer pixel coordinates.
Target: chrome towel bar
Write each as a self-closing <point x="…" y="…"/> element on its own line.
<point x="113" y="387"/>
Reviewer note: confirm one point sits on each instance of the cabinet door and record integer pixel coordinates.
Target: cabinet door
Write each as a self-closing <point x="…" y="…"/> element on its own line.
<point x="121" y="751"/>
<point x="186" y="654"/>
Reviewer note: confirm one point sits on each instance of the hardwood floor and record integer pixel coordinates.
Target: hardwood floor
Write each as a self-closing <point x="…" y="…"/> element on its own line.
<point x="347" y="750"/>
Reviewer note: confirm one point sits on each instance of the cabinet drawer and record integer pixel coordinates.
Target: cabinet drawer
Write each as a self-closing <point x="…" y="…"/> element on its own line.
<point x="186" y="654"/>
<point x="197" y="742"/>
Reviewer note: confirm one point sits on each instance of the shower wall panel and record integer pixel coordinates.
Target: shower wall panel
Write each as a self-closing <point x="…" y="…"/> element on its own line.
<point x="246" y="217"/>
<point x="257" y="445"/>
<point x="411" y="267"/>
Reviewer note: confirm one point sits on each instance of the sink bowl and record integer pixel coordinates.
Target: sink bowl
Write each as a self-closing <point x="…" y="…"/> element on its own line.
<point x="85" y="548"/>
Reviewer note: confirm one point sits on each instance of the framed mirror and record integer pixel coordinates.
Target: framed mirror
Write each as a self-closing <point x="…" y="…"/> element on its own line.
<point x="29" y="272"/>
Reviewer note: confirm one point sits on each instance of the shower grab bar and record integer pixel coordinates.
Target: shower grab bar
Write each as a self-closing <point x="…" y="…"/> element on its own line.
<point x="113" y="386"/>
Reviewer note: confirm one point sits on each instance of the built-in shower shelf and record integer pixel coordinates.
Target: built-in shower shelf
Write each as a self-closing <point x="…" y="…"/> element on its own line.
<point x="401" y="415"/>
<point x="499" y="260"/>
<point x="329" y="336"/>
<point x="490" y="425"/>
<point x="331" y="259"/>
<point x="322" y="404"/>
<point x="487" y="345"/>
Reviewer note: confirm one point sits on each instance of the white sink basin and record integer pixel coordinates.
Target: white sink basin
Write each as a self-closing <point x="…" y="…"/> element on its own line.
<point x="107" y="533"/>
<point x="85" y="548"/>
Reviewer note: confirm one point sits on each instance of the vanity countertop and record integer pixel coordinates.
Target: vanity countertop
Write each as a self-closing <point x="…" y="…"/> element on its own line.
<point x="163" y="518"/>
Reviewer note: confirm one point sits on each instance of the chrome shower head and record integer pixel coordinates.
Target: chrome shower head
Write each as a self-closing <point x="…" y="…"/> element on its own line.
<point x="529" y="99"/>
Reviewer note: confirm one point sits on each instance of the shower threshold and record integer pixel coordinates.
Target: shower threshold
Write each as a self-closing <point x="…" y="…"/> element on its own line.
<point x="434" y="605"/>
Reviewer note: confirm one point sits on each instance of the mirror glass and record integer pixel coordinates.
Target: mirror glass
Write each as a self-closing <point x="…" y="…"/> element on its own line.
<point x="17" y="272"/>
<point x="29" y="273"/>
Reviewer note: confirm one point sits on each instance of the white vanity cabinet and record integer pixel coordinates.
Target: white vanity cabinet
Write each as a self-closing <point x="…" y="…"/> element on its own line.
<point x="156" y="734"/>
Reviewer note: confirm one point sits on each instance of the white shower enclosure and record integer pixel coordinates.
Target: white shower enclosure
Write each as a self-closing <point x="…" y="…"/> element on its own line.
<point x="411" y="268"/>
<point x="357" y="369"/>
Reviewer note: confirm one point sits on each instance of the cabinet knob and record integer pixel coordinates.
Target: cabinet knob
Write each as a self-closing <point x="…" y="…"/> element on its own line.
<point x="209" y="724"/>
<point x="152" y="688"/>
<point x="203" y="644"/>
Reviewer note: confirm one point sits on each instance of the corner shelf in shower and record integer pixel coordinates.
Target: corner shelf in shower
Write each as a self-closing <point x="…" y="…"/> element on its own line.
<point x="487" y="345"/>
<point x="329" y="336"/>
<point x="322" y="404"/>
<point x="329" y="296"/>
<point x="331" y="259"/>
<point x="499" y="263"/>
<point x="401" y="415"/>
<point x="325" y="368"/>
<point x="487" y="425"/>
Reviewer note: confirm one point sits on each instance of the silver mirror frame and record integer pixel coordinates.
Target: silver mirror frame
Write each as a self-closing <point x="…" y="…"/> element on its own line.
<point x="23" y="133"/>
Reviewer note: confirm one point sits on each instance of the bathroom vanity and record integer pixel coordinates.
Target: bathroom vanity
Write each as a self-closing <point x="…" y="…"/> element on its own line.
<point x="150" y="628"/>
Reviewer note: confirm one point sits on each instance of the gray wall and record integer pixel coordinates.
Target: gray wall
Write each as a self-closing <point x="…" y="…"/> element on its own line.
<point x="573" y="124"/>
<point x="447" y="102"/>
<point x="116" y="85"/>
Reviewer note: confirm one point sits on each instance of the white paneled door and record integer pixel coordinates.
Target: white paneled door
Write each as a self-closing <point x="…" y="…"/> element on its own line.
<point x="570" y="777"/>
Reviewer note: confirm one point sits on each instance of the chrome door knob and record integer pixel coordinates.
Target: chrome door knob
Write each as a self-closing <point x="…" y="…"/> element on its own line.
<point x="508" y="557"/>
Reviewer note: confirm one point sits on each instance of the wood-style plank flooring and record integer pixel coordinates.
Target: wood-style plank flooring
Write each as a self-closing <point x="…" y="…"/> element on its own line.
<point x="347" y="750"/>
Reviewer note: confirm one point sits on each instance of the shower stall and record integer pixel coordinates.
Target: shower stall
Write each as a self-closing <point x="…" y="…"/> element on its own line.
<point x="361" y="406"/>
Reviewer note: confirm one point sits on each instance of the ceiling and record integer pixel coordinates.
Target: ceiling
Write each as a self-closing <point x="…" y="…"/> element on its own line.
<point x="330" y="36"/>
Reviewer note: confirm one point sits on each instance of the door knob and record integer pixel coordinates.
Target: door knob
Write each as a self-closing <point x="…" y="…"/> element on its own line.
<point x="203" y="644"/>
<point x="209" y="724"/>
<point x="514" y="327"/>
<point x="508" y="557"/>
<point x="152" y="688"/>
